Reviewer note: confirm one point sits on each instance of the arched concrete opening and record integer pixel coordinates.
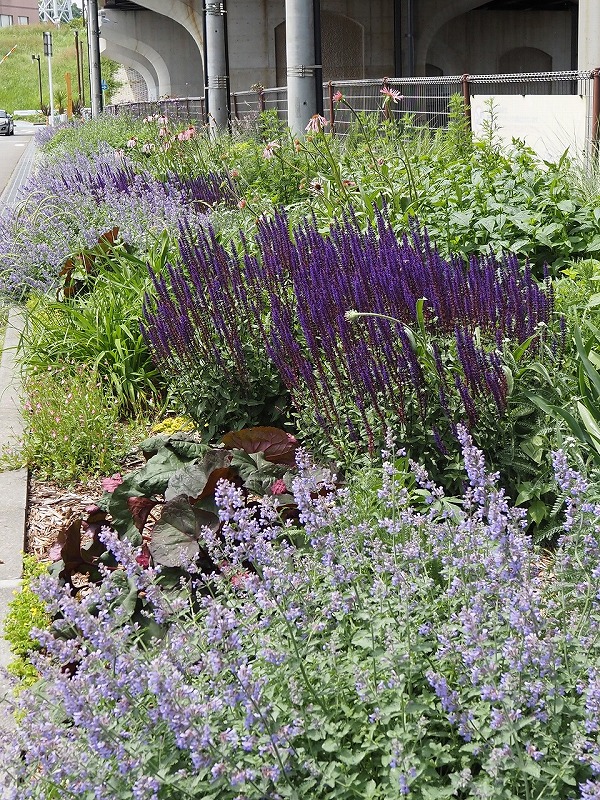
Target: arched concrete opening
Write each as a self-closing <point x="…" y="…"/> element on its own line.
<point x="125" y="29"/>
<point x="165" y="43"/>
<point x="478" y="39"/>
<point x="187" y="13"/>
<point x="525" y="59"/>
<point x="136" y="61"/>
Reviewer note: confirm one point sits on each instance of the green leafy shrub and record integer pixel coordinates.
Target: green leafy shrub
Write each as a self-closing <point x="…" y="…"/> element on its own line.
<point x="25" y="612"/>
<point x="72" y="426"/>
<point x="97" y="327"/>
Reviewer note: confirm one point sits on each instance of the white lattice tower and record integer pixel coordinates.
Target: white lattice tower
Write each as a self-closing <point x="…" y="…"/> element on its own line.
<point x="55" y="10"/>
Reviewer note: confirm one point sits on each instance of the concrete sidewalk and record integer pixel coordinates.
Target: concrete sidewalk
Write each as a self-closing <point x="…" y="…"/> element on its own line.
<point x="13" y="494"/>
<point x="13" y="484"/>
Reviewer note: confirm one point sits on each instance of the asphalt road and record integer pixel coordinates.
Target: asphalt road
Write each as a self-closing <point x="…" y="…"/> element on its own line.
<point x="11" y="150"/>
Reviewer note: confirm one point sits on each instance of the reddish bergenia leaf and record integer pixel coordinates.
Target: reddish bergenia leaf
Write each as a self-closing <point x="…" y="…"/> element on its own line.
<point x="143" y="558"/>
<point x="277" y="446"/>
<point x="140" y="508"/>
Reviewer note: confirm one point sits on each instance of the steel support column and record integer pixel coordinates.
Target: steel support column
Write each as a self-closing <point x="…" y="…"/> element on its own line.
<point x="217" y="77"/>
<point x="93" y="34"/>
<point x="301" y="66"/>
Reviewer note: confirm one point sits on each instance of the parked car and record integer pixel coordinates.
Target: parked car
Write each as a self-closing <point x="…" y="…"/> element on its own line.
<point x="7" y="125"/>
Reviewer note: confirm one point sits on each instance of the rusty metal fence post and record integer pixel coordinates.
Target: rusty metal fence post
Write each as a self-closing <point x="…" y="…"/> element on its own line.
<point x="466" y="91"/>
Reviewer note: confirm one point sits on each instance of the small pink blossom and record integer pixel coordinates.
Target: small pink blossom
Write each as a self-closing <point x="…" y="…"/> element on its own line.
<point x="162" y="132"/>
<point x="242" y="203"/>
<point x="279" y="487"/>
<point x="316" y="124"/>
<point x="390" y="95"/>
<point x="110" y="484"/>
<point x="164" y="120"/>
<point x="132" y="142"/>
<point x="337" y="96"/>
<point x="147" y="147"/>
<point x="234" y="173"/>
<point x="270" y="148"/>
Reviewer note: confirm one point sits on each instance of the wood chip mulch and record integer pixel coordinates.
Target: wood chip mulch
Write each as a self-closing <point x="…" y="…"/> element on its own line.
<point x="52" y="507"/>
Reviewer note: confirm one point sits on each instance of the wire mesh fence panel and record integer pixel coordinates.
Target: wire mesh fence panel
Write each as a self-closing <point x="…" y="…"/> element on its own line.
<point x="180" y="109"/>
<point x="425" y="102"/>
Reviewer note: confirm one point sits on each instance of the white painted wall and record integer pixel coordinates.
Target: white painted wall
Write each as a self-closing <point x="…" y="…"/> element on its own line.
<point x="549" y="124"/>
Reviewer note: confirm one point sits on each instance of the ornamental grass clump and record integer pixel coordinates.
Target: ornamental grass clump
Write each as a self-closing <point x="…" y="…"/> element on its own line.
<point x="375" y="652"/>
<point x="364" y="329"/>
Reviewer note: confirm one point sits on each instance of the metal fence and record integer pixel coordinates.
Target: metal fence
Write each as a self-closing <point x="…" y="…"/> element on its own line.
<point x="425" y="100"/>
<point x="180" y="109"/>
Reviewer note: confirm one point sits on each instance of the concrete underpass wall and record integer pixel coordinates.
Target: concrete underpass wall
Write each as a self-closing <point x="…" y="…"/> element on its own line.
<point x="485" y="42"/>
<point x="160" y="42"/>
<point x="134" y="60"/>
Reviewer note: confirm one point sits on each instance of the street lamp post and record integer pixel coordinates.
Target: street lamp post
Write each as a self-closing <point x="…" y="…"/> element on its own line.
<point x="48" y="53"/>
<point x="39" y="64"/>
<point x="93" y="33"/>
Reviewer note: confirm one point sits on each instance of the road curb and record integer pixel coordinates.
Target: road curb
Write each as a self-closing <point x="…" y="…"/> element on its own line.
<point x="13" y="499"/>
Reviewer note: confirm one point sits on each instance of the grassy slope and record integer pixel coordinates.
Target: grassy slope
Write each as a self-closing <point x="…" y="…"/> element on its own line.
<point x="19" y="87"/>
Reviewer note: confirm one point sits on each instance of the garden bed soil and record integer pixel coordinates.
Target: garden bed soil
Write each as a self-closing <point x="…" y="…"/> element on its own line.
<point x="52" y="507"/>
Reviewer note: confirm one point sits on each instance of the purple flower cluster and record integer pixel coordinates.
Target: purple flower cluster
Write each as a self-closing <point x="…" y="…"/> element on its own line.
<point x="340" y="317"/>
<point x="417" y="654"/>
<point x="68" y="204"/>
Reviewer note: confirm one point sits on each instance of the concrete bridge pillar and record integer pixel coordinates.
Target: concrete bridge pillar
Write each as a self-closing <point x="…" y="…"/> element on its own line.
<point x="217" y="78"/>
<point x="589" y="34"/>
<point x="300" y="54"/>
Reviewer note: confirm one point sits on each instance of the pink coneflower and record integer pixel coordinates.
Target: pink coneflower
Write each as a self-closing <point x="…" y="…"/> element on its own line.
<point x="242" y="203"/>
<point x="147" y="147"/>
<point x="337" y="96"/>
<point x="164" y="120"/>
<point x="270" y="148"/>
<point x="316" y="124"/>
<point x="162" y="132"/>
<point x="132" y="142"/>
<point x="391" y="94"/>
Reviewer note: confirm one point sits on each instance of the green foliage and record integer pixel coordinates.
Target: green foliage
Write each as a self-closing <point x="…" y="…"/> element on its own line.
<point x="72" y="426"/>
<point x="19" y="86"/>
<point x="169" y="504"/>
<point x="98" y="328"/>
<point x="25" y="612"/>
<point x="582" y="414"/>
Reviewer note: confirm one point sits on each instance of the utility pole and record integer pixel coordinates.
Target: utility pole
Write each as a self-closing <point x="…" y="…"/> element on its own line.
<point x="78" y="65"/>
<point x="48" y="53"/>
<point x="38" y="59"/>
<point x="93" y="33"/>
